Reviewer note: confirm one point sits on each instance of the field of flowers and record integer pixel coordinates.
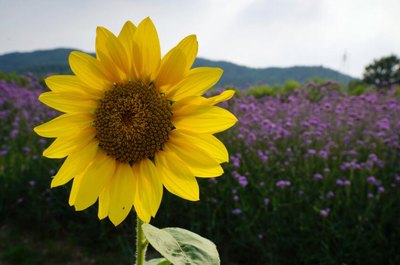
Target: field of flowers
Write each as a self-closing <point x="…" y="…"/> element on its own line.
<point x="314" y="178"/>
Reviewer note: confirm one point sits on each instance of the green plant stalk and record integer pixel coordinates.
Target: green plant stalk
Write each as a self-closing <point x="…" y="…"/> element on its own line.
<point x="141" y="243"/>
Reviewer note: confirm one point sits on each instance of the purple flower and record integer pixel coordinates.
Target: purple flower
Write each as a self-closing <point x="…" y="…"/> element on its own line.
<point x="3" y="152"/>
<point x="243" y="181"/>
<point x="373" y="157"/>
<point x="318" y="176"/>
<point x="339" y="182"/>
<point x="343" y="182"/>
<point x="26" y="149"/>
<point x="266" y="201"/>
<point x="262" y="156"/>
<point x="373" y="181"/>
<point x="213" y="180"/>
<point x="32" y="183"/>
<point x="236" y="160"/>
<point x="14" y="134"/>
<point x="236" y="211"/>
<point x="311" y="152"/>
<point x="381" y="189"/>
<point x="235" y="198"/>
<point x="330" y="194"/>
<point x="323" y="154"/>
<point x="324" y="212"/>
<point x="282" y="183"/>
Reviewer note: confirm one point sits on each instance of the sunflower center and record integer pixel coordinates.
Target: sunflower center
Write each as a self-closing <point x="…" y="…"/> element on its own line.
<point x="133" y="121"/>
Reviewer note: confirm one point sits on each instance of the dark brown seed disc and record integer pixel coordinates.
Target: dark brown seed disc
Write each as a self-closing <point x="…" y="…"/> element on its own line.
<point x="133" y="121"/>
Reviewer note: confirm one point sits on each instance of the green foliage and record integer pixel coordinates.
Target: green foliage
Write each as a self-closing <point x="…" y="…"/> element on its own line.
<point x="383" y="72"/>
<point x="357" y="87"/>
<point x="291" y="85"/>
<point x="180" y="246"/>
<point x="259" y="91"/>
<point x="13" y="77"/>
<point x="159" y="261"/>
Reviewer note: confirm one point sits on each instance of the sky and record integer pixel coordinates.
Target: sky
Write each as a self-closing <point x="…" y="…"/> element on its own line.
<point x="344" y="35"/>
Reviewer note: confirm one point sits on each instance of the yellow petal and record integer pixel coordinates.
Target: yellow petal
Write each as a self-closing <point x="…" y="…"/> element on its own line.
<point x="112" y="55"/>
<point x="88" y="70"/>
<point x="141" y="212"/>
<point x="205" y="142"/>
<point x="198" y="161"/>
<point x="126" y="34"/>
<point x="68" y="103"/>
<point x="126" y="38"/>
<point x="149" y="187"/>
<point x="176" y="176"/>
<point x="173" y="68"/>
<point x="146" y="50"/>
<point x="70" y="84"/>
<point x="74" y="190"/>
<point x="104" y="203"/>
<point x="198" y="81"/>
<point x="65" y="124"/>
<point x="202" y="119"/>
<point x="177" y="62"/>
<point x="96" y="176"/>
<point x="122" y="192"/>
<point x="75" y="164"/>
<point x="190" y="103"/>
<point x="65" y="145"/>
<point x="189" y="46"/>
<point x="224" y="96"/>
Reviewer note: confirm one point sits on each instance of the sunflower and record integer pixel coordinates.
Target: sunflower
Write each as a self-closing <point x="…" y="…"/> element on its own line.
<point x="134" y="123"/>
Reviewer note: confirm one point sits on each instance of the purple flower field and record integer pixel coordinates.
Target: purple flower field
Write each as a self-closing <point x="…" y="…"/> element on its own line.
<point x="313" y="178"/>
<point x="338" y="140"/>
<point x="20" y="111"/>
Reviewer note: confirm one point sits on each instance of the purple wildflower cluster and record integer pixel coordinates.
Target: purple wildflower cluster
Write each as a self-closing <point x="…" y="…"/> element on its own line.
<point x="20" y="111"/>
<point x="332" y="142"/>
<point x="337" y="119"/>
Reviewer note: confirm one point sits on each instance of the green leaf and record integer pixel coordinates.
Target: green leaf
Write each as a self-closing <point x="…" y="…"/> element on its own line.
<point x="181" y="246"/>
<point x="159" y="261"/>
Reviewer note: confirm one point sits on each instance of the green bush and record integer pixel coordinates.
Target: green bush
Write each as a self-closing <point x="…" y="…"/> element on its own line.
<point x="259" y="91"/>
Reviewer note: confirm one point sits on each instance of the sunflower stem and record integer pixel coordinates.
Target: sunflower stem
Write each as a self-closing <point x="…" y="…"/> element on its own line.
<point x="141" y="243"/>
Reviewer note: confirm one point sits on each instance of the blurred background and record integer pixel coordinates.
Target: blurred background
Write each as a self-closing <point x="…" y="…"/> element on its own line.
<point x="314" y="172"/>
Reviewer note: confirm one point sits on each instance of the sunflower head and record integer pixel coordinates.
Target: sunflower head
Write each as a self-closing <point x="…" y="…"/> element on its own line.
<point x="134" y="122"/>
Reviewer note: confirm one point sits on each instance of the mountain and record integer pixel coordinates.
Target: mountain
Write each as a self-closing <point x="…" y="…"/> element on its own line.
<point x="56" y="61"/>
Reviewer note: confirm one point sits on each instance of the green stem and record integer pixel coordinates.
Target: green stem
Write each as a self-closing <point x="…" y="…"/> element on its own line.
<point x="141" y="243"/>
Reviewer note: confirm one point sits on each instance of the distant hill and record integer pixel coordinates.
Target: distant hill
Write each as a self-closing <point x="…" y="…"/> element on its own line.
<point x="56" y="61"/>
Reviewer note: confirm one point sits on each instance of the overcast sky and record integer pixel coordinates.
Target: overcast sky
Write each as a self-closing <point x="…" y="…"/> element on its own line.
<point x="255" y="33"/>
